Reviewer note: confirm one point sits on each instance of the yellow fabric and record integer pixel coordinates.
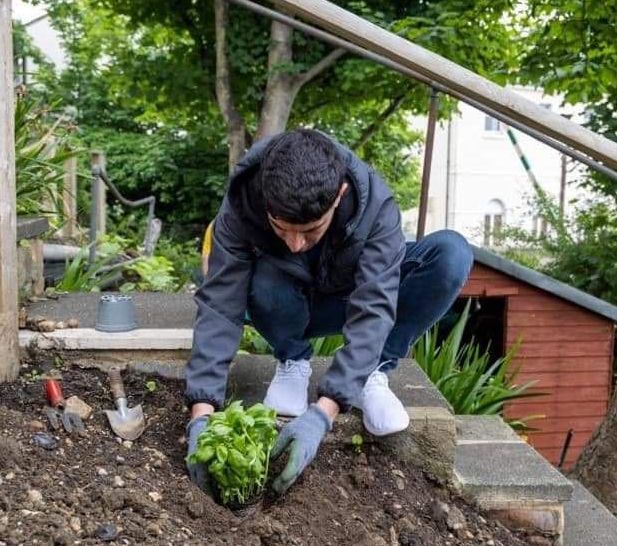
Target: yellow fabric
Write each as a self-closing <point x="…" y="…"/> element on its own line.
<point x="207" y="246"/>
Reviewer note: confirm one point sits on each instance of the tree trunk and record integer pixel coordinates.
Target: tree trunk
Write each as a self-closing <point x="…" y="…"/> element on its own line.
<point x="280" y="88"/>
<point x="596" y="467"/>
<point x="283" y="87"/>
<point x="236" y="128"/>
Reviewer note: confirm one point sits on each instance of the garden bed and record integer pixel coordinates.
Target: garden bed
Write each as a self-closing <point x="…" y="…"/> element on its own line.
<point x="93" y="488"/>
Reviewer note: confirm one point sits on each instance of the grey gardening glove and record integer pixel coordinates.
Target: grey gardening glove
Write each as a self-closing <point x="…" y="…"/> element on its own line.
<point x="304" y="435"/>
<point x="197" y="471"/>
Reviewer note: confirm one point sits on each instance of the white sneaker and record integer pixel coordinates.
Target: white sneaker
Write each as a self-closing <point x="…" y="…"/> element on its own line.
<point x="382" y="412"/>
<point x="288" y="391"/>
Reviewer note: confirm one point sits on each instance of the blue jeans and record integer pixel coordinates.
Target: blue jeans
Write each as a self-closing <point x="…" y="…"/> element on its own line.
<point x="433" y="272"/>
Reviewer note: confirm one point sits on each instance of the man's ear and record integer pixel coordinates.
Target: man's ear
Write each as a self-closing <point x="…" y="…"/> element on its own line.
<point x="341" y="192"/>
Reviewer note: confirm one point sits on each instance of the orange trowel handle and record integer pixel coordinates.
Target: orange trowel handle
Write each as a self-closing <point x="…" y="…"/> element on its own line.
<point x="53" y="393"/>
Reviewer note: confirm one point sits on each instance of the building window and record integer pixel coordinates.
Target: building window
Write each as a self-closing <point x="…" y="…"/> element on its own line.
<point x="494" y="220"/>
<point x="492" y="124"/>
<point x="539" y="227"/>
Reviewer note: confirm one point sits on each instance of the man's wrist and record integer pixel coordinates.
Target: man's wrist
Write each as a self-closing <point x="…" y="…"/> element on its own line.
<point x="329" y="407"/>
<point x="201" y="408"/>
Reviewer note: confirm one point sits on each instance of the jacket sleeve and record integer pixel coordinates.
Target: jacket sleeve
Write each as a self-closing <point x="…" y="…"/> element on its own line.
<point x="371" y="310"/>
<point x="221" y="305"/>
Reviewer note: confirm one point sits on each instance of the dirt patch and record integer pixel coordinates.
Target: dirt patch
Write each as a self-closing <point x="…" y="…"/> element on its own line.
<point x="94" y="489"/>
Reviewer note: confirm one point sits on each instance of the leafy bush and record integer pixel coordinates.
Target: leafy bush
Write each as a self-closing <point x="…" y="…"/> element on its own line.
<point x="154" y="273"/>
<point x="464" y="373"/>
<point x="236" y="448"/>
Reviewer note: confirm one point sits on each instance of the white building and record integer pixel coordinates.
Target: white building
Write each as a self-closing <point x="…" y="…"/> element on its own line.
<point x="43" y="35"/>
<point x="478" y="182"/>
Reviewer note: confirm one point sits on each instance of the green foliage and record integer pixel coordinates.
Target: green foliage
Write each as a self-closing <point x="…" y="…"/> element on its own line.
<point x="154" y="273"/>
<point x="42" y="145"/>
<point x="570" y="48"/>
<point x="464" y="374"/>
<point x="253" y="343"/>
<point x="357" y="441"/>
<point x="113" y="263"/>
<point x="236" y="448"/>
<point x="579" y="251"/>
<point x="79" y="276"/>
<point x="151" y="386"/>
<point x="327" y="345"/>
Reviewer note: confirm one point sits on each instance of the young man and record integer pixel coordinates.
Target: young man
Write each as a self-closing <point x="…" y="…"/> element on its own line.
<point x="308" y="240"/>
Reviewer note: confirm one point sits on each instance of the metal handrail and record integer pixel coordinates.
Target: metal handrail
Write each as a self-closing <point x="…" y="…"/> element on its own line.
<point x="99" y="174"/>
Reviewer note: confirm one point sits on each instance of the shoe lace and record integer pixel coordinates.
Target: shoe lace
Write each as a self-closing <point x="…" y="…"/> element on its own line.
<point x="376" y="380"/>
<point x="290" y="369"/>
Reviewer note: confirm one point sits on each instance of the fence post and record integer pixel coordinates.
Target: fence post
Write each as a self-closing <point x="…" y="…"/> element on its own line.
<point x="69" y="198"/>
<point x="98" y="207"/>
<point x="9" y="344"/>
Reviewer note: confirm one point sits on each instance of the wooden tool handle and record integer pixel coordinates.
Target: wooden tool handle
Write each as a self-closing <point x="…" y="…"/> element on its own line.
<point x="53" y="393"/>
<point x="116" y="384"/>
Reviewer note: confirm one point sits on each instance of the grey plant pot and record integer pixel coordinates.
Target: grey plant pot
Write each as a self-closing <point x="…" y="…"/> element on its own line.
<point x="116" y="313"/>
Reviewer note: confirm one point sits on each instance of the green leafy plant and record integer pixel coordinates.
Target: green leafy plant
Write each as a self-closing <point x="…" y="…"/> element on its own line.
<point x="252" y="342"/>
<point x="154" y="273"/>
<point x="80" y="276"/>
<point x="151" y="386"/>
<point x="464" y="374"/>
<point x="357" y="441"/>
<point x="327" y="345"/>
<point x="41" y="150"/>
<point x="236" y="448"/>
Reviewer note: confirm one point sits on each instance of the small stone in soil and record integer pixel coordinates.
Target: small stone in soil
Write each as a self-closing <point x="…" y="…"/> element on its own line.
<point x="120" y="460"/>
<point x="106" y="532"/>
<point x="35" y="497"/>
<point x="155" y="496"/>
<point x="35" y="425"/>
<point x="101" y="471"/>
<point x="75" y="524"/>
<point x="45" y="440"/>
<point x="118" y="481"/>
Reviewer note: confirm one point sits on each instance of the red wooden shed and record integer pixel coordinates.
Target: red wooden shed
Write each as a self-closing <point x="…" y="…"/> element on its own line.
<point x="567" y="345"/>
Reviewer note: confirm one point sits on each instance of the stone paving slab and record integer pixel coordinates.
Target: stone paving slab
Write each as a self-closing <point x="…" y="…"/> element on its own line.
<point x="250" y="376"/>
<point x="502" y="471"/>
<point x="587" y="521"/>
<point x="478" y="429"/>
<point x="152" y="309"/>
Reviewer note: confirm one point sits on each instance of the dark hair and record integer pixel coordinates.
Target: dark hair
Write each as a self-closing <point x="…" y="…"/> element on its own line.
<point x="301" y="174"/>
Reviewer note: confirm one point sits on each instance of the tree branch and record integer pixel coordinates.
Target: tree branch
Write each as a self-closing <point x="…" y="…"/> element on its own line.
<point x="378" y="122"/>
<point x="319" y="67"/>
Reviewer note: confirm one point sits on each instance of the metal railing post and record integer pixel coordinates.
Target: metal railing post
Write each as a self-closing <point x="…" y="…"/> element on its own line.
<point x="428" y="160"/>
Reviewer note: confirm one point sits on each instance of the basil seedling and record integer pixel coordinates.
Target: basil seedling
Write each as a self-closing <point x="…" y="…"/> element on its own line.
<point x="235" y="447"/>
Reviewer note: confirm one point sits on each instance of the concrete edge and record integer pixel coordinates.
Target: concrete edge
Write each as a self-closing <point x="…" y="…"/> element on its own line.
<point x="79" y="339"/>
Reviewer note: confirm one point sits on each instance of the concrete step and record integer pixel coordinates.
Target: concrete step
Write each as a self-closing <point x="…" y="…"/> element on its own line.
<point x="507" y="477"/>
<point x="588" y="521"/>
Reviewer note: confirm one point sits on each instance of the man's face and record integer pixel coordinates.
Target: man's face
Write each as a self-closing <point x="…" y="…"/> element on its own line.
<point x="302" y="237"/>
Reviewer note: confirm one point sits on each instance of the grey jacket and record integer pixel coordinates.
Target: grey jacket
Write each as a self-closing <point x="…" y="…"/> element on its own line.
<point x="361" y="257"/>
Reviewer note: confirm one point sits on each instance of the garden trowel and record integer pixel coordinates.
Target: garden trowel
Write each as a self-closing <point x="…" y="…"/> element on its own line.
<point x="127" y="423"/>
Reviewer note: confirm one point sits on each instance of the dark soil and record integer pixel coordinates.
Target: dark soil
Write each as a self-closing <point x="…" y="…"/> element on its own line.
<point x="94" y="489"/>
